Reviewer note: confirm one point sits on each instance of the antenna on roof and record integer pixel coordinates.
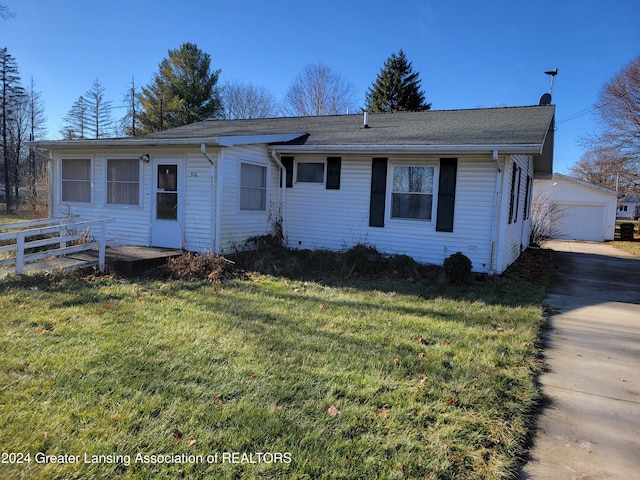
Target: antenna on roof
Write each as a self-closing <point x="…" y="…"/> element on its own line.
<point x="551" y="73"/>
<point x="545" y="99"/>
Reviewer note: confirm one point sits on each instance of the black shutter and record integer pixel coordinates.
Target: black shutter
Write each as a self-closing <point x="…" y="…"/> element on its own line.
<point x="515" y="218"/>
<point x="527" y="198"/>
<point x="446" y="194"/>
<point x="512" y="195"/>
<point x="333" y="173"/>
<point x="378" y="192"/>
<point x="287" y="163"/>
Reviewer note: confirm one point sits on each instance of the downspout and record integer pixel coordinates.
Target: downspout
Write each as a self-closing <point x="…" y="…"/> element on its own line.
<point x="51" y="185"/>
<point x="282" y="196"/>
<point x="203" y="150"/>
<point x="218" y="210"/>
<point x="496" y="215"/>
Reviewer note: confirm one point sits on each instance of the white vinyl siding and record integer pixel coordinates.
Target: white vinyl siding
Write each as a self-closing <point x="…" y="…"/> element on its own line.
<point x="238" y="225"/>
<point x="339" y="219"/>
<point x="132" y="225"/>
<point x="199" y="195"/>
<point x="515" y="230"/>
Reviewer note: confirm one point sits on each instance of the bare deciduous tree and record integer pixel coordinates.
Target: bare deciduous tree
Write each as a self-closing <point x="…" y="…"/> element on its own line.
<point x="245" y="100"/>
<point x="614" y="153"/>
<point x="318" y="90"/>
<point x="546" y="215"/>
<point x="5" y="12"/>
<point x="606" y="167"/>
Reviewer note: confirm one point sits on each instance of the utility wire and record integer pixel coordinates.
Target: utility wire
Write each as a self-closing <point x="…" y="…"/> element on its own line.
<point x="575" y="115"/>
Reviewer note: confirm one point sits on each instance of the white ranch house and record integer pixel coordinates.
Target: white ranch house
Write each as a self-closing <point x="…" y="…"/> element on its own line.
<point x="426" y="184"/>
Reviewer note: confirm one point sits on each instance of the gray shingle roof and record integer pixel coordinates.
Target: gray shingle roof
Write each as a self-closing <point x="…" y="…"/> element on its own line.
<point x="489" y="126"/>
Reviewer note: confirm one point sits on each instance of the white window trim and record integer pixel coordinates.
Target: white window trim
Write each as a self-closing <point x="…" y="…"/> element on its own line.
<point x="322" y="160"/>
<point x="432" y="163"/>
<point x="58" y="185"/>
<point x="267" y="189"/>
<point x="123" y="206"/>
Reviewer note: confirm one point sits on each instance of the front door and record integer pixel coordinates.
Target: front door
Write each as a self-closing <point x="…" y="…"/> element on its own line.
<point x="167" y="200"/>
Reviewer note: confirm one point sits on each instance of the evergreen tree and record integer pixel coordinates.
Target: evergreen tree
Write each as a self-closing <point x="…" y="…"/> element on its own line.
<point x="129" y="124"/>
<point x="11" y="94"/>
<point x="99" y="121"/>
<point x="77" y="120"/>
<point x="184" y="91"/>
<point x="37" y="129"/>
<point x="397" y="88"/>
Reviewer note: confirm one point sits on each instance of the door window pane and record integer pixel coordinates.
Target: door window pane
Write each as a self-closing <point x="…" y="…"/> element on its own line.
<point x="168" y="178"/>
<point x="166" y="206"/>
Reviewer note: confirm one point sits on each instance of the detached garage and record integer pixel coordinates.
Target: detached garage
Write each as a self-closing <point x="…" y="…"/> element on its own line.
<point x="588" y="211"/>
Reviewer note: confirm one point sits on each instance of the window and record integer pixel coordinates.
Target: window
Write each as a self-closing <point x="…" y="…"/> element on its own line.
<point x="310" y="172"/>
<point x="412" y="192"/>
<point x="76" y="180"/>
<point x="123" y="181"/>
<point x="253" y="187"/>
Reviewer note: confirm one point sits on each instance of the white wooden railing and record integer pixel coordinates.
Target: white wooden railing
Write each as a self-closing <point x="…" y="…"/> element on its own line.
<point x="63" y="236"/>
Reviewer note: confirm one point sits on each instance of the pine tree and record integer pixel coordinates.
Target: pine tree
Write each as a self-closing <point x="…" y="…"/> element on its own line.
<point x="37" y="129"/>
<point x="11" y="93"/>
<point x="397" y="88"/>
<point x="184" y="91"/>
<point x="99" y="121"/>
<point x="129" y="123"/>
<point x="77" y="120"/>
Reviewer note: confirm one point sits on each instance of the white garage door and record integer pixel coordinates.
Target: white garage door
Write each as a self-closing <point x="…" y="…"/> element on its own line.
<point x="582" y="222"/>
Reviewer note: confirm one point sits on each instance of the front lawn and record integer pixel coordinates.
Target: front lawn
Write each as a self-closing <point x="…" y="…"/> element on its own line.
<point x="629" y="247"/>
<point x="266" y="377"/>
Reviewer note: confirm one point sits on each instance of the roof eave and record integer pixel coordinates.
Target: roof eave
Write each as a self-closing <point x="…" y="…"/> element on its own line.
<point x="221" y="141"/>
<point x="508" y="149"/>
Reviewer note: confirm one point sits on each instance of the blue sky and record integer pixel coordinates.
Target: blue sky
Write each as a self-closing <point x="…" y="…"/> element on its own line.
<point x="469" y="54"/>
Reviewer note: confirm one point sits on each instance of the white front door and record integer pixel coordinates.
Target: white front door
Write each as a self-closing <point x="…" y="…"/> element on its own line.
<point x="167" y="198"/>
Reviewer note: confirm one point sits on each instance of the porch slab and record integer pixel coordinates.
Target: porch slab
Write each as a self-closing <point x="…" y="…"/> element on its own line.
<point x="130" y="258"/>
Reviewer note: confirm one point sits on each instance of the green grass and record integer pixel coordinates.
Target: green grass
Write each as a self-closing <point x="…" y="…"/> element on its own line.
<point x="375" y="379"/>
<point x="629" y="247"/>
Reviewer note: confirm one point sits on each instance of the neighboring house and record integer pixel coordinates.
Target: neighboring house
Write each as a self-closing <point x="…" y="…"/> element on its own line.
<point x="588" y="211"/>
<point x="426" y="184"/>
<point x="629" y="207"/>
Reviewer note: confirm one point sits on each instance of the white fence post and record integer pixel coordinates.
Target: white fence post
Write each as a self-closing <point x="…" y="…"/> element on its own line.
<point x="102" y="247"/>
<point x="19" y="252"/>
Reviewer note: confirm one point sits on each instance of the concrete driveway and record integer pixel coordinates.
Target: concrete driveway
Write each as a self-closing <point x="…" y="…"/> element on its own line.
<point x="591" y="428"/>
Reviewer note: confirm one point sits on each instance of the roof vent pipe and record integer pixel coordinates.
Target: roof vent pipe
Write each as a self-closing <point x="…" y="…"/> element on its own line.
<point x="366" y="119"/>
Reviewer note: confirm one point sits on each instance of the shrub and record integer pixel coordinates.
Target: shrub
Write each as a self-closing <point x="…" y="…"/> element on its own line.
<point x="362" y="259"/>
<point x="403" y="266"/>
<point x="457" y="268"/>
<point x="194" y="267"/>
